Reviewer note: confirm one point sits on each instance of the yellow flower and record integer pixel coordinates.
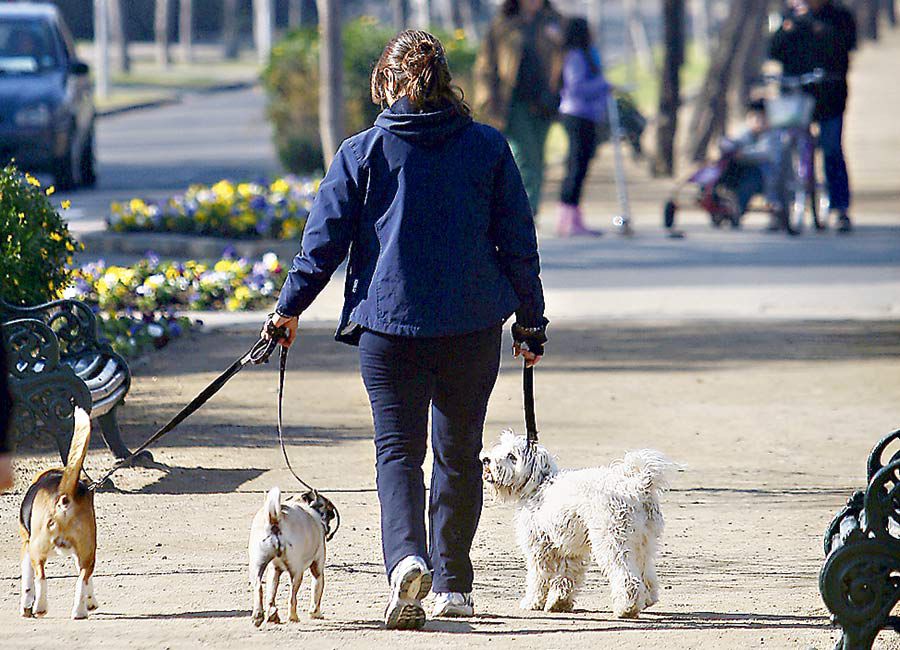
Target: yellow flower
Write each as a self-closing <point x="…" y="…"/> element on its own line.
<point x="66" y="204"/>
<point x="459" y="34"/>
<point x="50" y="190"/>
<point x="70" y="247"/>
<point x="32" y="180"/>
<point x="55" y="236"/>
<point x="280" y="186"/>
<point x="136" y="205"/>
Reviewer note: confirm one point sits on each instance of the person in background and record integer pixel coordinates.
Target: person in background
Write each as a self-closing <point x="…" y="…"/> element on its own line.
<point x="754" y="161"/>
<point x="6" y="473"/>
<point x="442" y="245"/>
<point x="822" y="34"/>
<point x="583" y="106"/>
<point x="517" y="83"/>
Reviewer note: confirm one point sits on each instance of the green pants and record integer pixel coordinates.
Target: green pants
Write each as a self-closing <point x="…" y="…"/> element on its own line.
<point x="527" y="135"/>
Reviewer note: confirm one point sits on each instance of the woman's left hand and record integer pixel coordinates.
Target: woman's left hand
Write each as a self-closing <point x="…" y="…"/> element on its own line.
<point x="289" y="323"/>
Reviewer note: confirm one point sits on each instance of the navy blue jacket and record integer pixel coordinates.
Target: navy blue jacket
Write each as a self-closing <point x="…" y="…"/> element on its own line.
<point x="441" y="237"/>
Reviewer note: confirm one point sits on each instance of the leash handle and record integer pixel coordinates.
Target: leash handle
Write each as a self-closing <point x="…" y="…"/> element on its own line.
<point x="531" y="431"/>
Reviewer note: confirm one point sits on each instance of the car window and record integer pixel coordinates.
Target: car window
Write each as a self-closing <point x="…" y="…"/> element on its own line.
<point x="27" y="47"/>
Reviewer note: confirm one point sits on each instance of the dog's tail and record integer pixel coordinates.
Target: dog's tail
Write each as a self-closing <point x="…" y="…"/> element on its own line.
<point x="273" y="505"/>
<point x="77" y="453"/>
<point x="647" y="472"/>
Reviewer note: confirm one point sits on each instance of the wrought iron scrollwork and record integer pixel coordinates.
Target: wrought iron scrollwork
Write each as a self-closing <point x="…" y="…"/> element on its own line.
<point x="860" y="581"/>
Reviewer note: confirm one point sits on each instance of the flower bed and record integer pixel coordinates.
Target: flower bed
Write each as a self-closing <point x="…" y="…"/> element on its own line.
<point x="137" y="305"/>
<point x="241" y="211"/>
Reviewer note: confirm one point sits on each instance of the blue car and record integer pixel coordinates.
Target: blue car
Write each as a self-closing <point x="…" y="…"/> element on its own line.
<point x="46" y="97"/>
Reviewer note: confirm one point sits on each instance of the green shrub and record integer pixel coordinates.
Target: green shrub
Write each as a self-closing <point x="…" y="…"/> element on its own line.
<point x="35" y="245"/>
<point x="292" y="84"/>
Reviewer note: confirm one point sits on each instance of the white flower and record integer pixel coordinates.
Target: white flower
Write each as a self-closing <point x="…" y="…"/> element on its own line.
<point x="270" y="260"/>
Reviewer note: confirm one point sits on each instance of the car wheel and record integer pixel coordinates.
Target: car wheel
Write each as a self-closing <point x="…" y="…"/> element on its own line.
<point x="88" y="163"/>
<point x="65" y="168"/>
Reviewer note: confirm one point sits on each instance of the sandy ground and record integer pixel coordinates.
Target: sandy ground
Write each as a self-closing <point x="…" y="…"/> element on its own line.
<point x="773" y="421"/>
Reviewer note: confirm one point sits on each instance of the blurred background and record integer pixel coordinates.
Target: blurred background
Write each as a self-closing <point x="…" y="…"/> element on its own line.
<point x="204" y="125"/>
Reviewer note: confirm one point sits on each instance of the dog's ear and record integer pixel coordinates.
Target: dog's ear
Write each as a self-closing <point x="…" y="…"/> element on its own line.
<point x="63" y="502"/>
<point x="309" y="498"/>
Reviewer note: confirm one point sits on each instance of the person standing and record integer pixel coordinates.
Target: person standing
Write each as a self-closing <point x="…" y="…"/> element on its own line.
<point x="584" y="97"/>
<point x="432" y="209"/>
<point x="821" y="34"/>
<point x="517" y="83"/>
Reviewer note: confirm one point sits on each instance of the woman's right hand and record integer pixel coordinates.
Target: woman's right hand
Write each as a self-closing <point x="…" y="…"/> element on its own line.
<point x="289" y="323"/>
<point x="531" y="359"/>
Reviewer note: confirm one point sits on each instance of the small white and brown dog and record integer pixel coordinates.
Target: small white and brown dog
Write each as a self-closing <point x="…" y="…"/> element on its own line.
<point x="57" y="518"/>
<point x="289" y="536"/>
<point x="565" y="518"/>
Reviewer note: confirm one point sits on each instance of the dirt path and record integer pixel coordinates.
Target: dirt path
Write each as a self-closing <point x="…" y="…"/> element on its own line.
<point x="773" y="422"/>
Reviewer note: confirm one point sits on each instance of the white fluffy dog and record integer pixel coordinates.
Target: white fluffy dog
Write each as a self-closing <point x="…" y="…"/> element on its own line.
<point x="289" y="537"/>
<point x="565" y="518"/>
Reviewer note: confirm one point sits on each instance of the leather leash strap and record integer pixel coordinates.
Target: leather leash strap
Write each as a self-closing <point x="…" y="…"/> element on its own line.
<point x="531" y="431"/>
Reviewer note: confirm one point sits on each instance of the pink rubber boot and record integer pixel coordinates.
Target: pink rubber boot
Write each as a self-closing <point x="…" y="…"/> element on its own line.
<point x="565" y="219"/>
<point x="578" y="228"/>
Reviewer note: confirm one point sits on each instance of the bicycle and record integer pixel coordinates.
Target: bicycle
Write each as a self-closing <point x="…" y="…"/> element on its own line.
<point x="790" y="113"/>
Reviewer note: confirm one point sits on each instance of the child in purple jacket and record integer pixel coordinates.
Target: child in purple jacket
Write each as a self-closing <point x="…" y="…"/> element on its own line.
<point x="583" y="106"/>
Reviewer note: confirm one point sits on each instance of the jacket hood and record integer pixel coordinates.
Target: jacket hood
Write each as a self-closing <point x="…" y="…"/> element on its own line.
<point x="430" y="129"/>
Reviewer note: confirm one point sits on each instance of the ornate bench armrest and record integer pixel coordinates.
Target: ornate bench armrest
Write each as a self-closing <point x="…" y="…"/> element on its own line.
<point x="31" y="347"/>
<point x="73" y="322"/>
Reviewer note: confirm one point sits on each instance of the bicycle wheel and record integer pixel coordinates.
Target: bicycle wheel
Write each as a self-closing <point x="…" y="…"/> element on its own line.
<point x="797" y="194"/>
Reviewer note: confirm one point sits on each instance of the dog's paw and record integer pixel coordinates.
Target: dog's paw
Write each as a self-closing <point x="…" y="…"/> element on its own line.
<point x="79" y="613"/>
<point x="257" y="618"/>
<point x="559" y="605"/>
<point x="628" y="611"/>
<point x="315" y="614"/>
<point x="92" y="604"/>
<point x="39" y="612"/>
<point x="27" y="612"/>
<point x="274" y="617"/>
<point x="530" y="603"/>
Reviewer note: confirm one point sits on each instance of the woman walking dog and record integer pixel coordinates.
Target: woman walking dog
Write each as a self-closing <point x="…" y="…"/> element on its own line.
<point x="432" y="209"/>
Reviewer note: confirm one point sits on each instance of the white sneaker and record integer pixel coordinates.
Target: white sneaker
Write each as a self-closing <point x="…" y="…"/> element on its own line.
<point x="410" y="583"/>
<point x="453" y="605"/>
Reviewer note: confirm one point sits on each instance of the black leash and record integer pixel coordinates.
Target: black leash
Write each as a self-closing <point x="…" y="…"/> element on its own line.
<point x="282" y="365"/>
<point x="258" y="353"/>
<point x="531" y="431"/>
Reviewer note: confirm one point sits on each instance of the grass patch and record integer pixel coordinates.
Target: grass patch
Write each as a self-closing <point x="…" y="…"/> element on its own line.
<point x="129" y="98"/>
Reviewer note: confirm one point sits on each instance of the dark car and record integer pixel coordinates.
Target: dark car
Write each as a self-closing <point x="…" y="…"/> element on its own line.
<point x="46" y="97"/>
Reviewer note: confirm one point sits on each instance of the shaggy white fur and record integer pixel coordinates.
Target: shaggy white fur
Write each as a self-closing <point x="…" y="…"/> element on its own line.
<point x="565" y="518"/>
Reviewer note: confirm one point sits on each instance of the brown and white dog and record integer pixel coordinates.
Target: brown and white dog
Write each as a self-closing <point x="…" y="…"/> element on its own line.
<point x="290" y="537"/>
<point x="57" y="518"/>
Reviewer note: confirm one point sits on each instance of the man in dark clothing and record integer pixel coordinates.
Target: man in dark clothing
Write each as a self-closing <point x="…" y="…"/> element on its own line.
<point x="6" y="478"/>
<point x="821" y="34"/>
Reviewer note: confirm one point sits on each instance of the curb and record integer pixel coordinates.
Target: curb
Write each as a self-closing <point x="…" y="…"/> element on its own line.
<point x="178" y="93"/>
<point x="183" y="246"/>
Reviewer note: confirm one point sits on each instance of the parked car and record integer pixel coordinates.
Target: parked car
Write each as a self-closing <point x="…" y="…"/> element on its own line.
<point x="46" y="97"/>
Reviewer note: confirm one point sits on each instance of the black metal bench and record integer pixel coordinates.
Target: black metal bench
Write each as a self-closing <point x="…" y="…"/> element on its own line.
<point x="860" y="581"/>
<point x="57" y="362"/>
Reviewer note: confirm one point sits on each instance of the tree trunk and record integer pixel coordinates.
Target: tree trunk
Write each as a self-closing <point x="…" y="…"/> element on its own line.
<point x="230" y="29"/>
<point x="752" y="55"/>
<point x="295" y="13"/>
<point x="186" y="29"/>
<point x="263" y="19"/>
<point x="640" y="42"/>
<point x="670" y="87"/>
<point x="400" y="14"/>
<point x="700" y="24"/>
<point x="421" y="14"/>
<point x="331" y="78"/>
<point x="161" y="27"/>
<point x="890" y="10"/>
<point x="873" y="11"/>
<point x="711" y="112"/>
<point x="101" y="48"/>
<point x="119" y="34"/>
